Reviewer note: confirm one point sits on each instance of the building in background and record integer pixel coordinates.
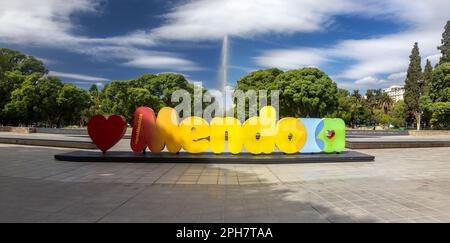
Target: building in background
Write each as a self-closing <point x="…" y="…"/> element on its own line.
<point x="395" y="92"/>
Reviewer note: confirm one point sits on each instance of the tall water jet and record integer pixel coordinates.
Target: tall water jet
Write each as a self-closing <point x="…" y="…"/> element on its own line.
<point x="223" y="72"/>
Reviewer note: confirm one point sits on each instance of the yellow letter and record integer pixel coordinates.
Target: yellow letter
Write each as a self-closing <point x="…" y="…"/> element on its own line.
<point x="194" y="132"/>
<point x="167" y="131"/>
<point x="260" y="132"/>
<point x="291" y="135"/>
<point x="232" y="126"/>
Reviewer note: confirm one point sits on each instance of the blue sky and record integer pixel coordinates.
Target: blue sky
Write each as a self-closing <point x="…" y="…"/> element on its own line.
<point x="360" y="44"/>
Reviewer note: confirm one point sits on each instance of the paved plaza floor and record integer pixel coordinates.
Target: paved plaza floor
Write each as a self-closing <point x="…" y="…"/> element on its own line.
<point x="402" y="185"/>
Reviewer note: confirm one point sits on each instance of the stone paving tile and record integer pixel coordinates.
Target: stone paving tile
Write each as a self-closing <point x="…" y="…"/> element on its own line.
<point x="402" y="185"/>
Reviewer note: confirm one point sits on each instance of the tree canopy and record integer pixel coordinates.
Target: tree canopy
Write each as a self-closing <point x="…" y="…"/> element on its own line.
<point x="440" y="84"/>
<point x="11" y="60"/>
<point x="306" y="92"/>
<point x="397" y="114"/>
<point x="71" y="101"/>
<point x="155" y="91"/>
<point x="28" y="96"/>
<point x="259" y="80"/>
<point x="35" y="101"/>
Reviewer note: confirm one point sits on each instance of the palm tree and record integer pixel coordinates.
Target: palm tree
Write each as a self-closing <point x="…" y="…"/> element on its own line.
<point x="386" y="102"/>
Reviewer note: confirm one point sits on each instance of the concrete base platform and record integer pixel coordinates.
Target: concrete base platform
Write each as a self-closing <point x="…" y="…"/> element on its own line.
<point x="49" y="142"/>
<point x="395" y="144"/>
<point x="244" y="158"/>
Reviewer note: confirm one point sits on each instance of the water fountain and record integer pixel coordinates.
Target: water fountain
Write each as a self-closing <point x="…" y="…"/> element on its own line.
<point x="225" y="103"/>
<point x="223" y="74"/>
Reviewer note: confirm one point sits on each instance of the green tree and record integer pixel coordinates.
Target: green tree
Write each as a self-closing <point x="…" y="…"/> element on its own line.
<point x="10" y="81"/>
<point x="426" y="79"/>
<point x="263" y="79"/>
<point x="95" y="104"/>
<point x="48" y="90"/>
<point x="117" y="99"/>
<point x="378" y="104"/>
<point x="19" y="108"/>
<point x="14" y="67"/>
<point x="441" y="115"/>
<point x="359" y="112"/>
<point x="385" y="102"/>
<point x="398" y="114"/>
<point x="426" y="105"/>
<point x="155" y="91"/>
<point x="357" y="96"/>
<point x="370" y="99"/>
<point x="35" y="101"/>
<point x="445" y="44"/>
<point x="344" y="108"/>
<point x="306" y="92"/>
<point x="259" y="80"/>
<point x="377" y="99"/>
<point x="143" y="97"/>
<point x="11" y="60"/>
<point x="164" y="84"/>
<point x="440" y="84"/>
<point x="145" y="79"/>
<point x="412" y="87"/>
<point x="95" y="99"/>
<point x="381" y="117"/>
<point x="71" y="101"/>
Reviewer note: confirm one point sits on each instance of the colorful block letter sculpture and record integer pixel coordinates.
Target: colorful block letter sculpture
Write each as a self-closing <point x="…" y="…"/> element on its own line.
<point x="258" y="135"/>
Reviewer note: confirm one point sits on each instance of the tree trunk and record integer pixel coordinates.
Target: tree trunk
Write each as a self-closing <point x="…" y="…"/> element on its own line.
<point x="418" y="120"/>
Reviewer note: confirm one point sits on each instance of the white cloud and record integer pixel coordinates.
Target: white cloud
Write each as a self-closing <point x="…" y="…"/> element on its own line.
<point x="47" y="61"/>
<point x="76" y="76"/>
<point x="363" y="83"/>
<point x="161" y="62"/>
<point x="292" y="58"/>
<point x="347" y="85"/>
<point x="434" y="59"/>
<point x="41" y="22"/>
<point x="135" y="38"/>
<point x="380" y="55"/>
<point x="370" y="81"/>
<point x="386" y="54"/>
<point x="213" y="19"/>
<point x="139" y="58"/>
<point x="397" y="78"/>
<point x="48" y="23"/>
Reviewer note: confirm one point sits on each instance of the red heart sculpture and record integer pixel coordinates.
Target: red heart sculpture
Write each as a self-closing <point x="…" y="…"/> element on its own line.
<point x="330" y="134"/>
<point x="105" y="132"/>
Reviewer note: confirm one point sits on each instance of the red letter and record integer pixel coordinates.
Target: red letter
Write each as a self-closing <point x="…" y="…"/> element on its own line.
<point x="144" y="126"/>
